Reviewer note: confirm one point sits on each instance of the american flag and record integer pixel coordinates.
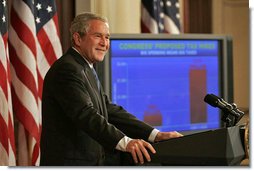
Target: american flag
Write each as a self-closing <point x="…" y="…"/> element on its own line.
<point x="160" y="16"/>
<point x="7" y="141"/>
<point x="34" y="46"/>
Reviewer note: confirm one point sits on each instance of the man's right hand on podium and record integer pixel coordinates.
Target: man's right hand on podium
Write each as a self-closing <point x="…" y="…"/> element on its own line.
<point x="138" y="149"/>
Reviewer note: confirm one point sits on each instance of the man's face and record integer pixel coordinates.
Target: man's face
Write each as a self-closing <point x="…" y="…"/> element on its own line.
<point x="95" y="43"/>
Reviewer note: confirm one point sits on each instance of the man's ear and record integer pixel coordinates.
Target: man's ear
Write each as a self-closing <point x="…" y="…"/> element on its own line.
<point x="76" y="38"/>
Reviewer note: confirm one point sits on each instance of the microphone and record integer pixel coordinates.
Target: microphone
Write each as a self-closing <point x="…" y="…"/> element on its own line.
<point x="227" y="108"/>
<point x="215" y="101"/>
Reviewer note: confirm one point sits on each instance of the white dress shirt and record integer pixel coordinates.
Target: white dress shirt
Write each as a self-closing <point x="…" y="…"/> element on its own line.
<point x="122" y="144"/>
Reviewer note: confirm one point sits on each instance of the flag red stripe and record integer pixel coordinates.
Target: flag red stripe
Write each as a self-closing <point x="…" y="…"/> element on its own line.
<point x="144" y="28"/>
<point x="11" y="134"/>
<point x="55" y="19"/>
<point x="25" y="117"/>
<point x="7" y="140"/>
<point x="46" y="46"/>
<point x="23" y="32"/>
<point x="22" y="70"/>
<point x="36" y="152"/>
<point x="3" y="79"/>
<point x="8" y="71"/>
<point x="4" y="134"/>
<point x="44" y="42"/>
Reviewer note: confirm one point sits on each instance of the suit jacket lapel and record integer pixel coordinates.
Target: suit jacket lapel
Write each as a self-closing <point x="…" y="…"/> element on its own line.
<point x="90" y="78"/>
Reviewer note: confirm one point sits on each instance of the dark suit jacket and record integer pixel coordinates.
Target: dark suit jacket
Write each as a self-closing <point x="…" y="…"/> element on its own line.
<point x="78" y="121"/>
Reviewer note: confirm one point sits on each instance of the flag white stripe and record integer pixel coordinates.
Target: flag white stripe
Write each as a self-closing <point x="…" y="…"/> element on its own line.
<point x="24" y="93"/>
<point x="3" y="101"/>
<point x="12" y="156"/>
<point x="12" y="161"/>
<point x="170" y="25"/>
<point x="25" y="55"/>
<point x="2" y="53"/>
<point x="7" y="155"/>
<point x="3" y="106"/>
<point x="43" y="64"/>
<point x="150" y="23"/>
<point x="50" y="30"/>
<point x="22" y="10"/>
<point x="36" y="62"/>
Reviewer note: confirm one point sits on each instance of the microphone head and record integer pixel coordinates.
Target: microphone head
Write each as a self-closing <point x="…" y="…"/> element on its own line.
<point x="212" y="100"/>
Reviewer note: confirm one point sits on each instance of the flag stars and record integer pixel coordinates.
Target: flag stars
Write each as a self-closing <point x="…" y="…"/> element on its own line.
<point x="161" y="3"/>
<point x="38" y="6"/>
<point x="3" y="19"/>
<point x="168" y="3"/>
<point x="161" y="26"/>
<point x="4" y="3"/>
<point x="177" y="15"/>
<point x="162" y="15"/>
<point x="166" y="15"/>
<point x="38" y="20"/>
<point x="177" y="5"/>
<point x="49" y="9"/>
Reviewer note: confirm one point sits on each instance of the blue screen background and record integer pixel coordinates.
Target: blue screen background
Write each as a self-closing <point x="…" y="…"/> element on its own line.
<point x="155" y="75"/>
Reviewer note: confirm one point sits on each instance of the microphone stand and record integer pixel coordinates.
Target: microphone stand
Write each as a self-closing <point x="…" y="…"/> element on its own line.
<point x="233" y="116"/>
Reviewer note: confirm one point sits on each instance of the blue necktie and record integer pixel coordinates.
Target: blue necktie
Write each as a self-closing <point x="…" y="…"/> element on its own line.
<point x="96" y="78"/>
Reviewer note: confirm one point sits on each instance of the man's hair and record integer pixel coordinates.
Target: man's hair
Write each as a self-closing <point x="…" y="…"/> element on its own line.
<point x="80" y="24"/>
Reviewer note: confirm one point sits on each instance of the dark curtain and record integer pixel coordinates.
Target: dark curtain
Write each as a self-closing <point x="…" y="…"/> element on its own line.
<point x="66" y="13"/>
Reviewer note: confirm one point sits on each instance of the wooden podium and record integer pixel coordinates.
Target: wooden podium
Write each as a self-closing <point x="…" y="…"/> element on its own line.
<point x="220" y="147"/>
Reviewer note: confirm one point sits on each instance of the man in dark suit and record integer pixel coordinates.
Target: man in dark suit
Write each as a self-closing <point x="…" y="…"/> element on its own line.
<point x="79" y="122"/>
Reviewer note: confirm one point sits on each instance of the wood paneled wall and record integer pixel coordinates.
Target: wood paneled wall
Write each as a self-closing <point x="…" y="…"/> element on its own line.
<point x="231" y="17"/>
<point x="197" y="16"/>
<point x="66" y="13"/>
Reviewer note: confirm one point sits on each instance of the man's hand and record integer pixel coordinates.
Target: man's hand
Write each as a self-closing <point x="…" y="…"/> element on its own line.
<point x="167" y="135"/>
<point x="138" y="149"/>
